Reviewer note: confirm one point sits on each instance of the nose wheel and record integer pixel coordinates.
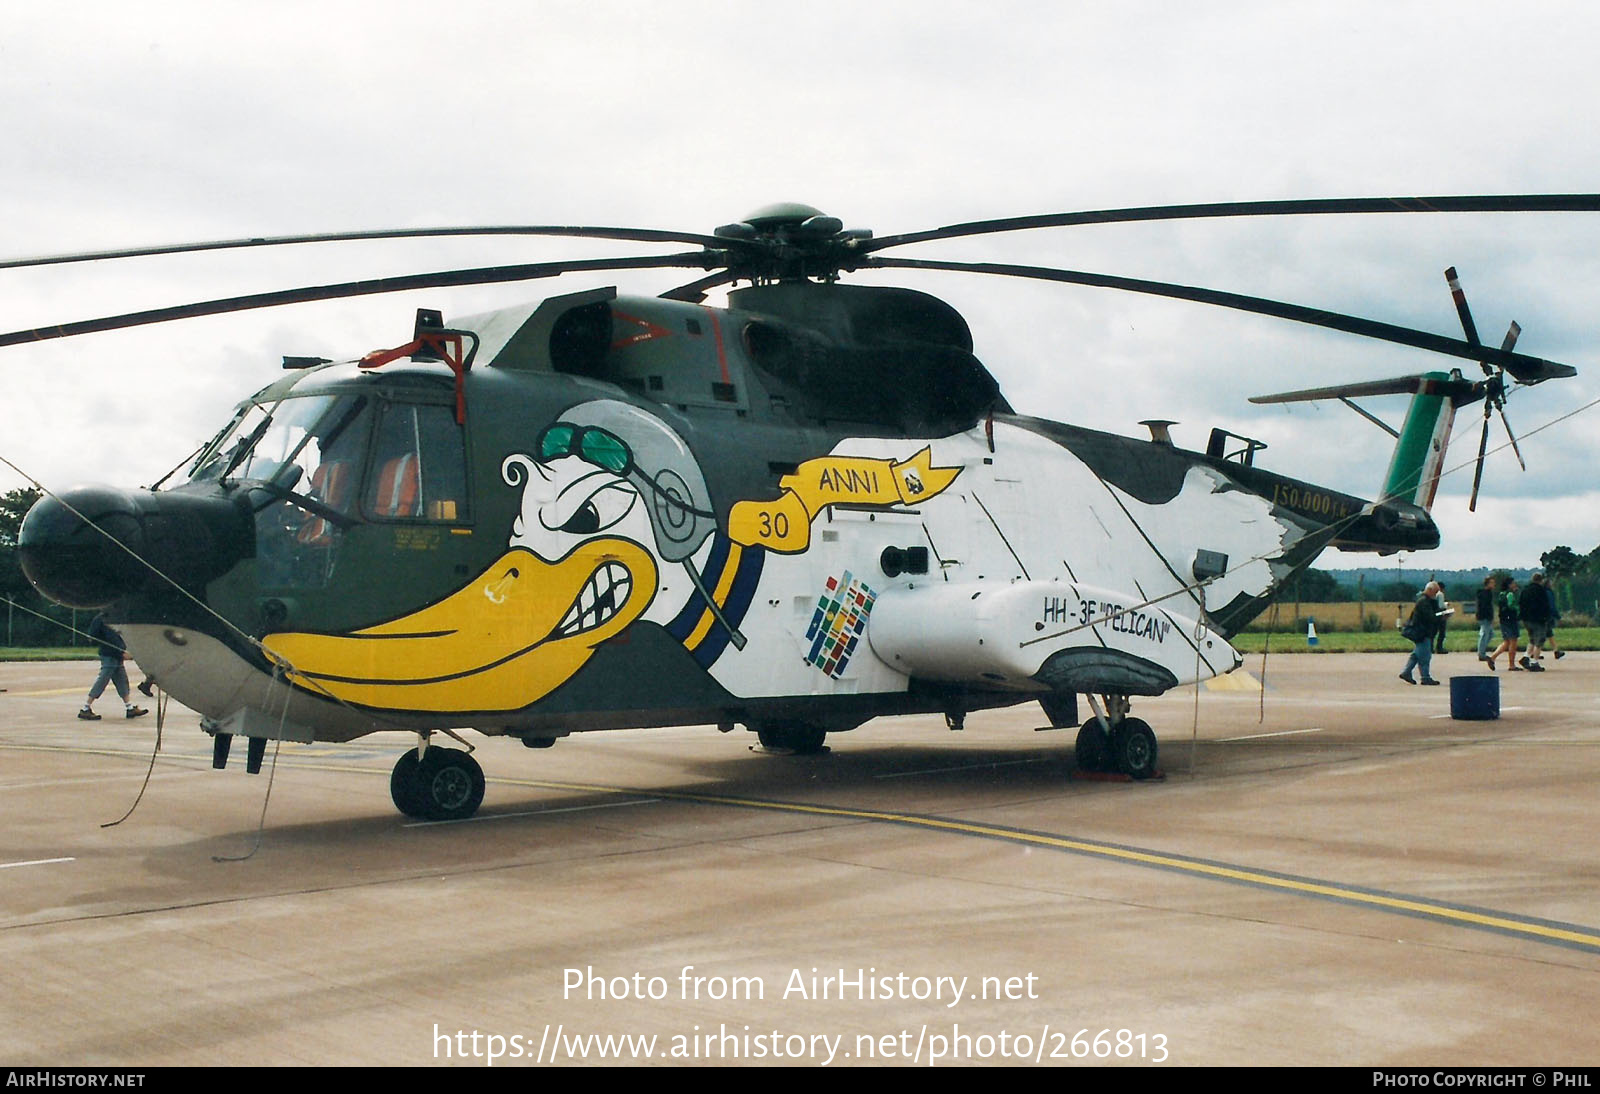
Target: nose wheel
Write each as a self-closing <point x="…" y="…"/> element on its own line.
<point x="444" y="784"/>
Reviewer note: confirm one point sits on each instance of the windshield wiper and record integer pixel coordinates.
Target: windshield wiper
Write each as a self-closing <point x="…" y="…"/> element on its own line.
<point x="244" y="448"/>
<point x="283" y="492"/>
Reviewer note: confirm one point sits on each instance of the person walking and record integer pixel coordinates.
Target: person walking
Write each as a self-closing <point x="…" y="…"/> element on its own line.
<point x="113" y="652"/>
<point x="1509" y="605"/>
<point x="1485" y="618"/>
<point x="1420" y="630"/>
<point x="1539" y="613"/>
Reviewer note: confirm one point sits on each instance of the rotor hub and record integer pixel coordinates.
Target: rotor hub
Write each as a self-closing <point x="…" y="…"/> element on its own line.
<point x="789" y="241"/>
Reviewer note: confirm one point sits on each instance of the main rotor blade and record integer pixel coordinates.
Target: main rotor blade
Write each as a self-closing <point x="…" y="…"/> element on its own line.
<point x="642" y="235"/>
<point x="1502" y="203"/>
<point x="1529" y="370"/>
<point x="483" y="276"/>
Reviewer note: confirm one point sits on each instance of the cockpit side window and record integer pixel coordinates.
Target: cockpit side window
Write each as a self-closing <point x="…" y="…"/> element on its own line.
<point x="419" y="465"/>
<point x="305" y="466"/>
<point x="330" y="467"/>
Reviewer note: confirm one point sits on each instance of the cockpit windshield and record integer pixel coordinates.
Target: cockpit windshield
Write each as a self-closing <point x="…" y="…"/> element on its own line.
<point x="285" y="443"/>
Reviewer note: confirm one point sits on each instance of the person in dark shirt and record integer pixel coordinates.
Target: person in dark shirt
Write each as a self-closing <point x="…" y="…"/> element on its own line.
<point x="1539" y="613"/>
<point x="1485" y="618"/>
<point x="112" y="654"/>
<point x="1555" y="617"/>
<point x="1421" y="629"/>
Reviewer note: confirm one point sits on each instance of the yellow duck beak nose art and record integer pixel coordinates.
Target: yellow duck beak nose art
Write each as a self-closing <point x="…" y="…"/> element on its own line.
<point x="513" y="635"/>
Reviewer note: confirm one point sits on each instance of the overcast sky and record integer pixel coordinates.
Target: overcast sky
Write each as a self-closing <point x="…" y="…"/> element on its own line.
<point x="129" y="123"/>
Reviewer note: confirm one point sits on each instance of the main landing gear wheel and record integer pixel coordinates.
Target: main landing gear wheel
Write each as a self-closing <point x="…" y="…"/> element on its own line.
<point x="1093" y="747"/>
<point x="796" y="737"/>
<point x="403" y="784"/>
<point x="446" y="784"/>
<point x="1133" y="748"/>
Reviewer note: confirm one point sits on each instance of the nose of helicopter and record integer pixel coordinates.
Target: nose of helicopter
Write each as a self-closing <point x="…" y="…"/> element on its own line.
<point x="68" y="546"/>
<point x="92" y="545"/>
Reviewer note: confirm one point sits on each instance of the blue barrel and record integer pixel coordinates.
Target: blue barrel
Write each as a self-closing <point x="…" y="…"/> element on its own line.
<point x="1475" y="698"/>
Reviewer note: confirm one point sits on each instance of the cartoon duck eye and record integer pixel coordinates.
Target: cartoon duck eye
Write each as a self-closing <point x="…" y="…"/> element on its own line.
<point x="585" y="521"/>
<point x="592" y="504"/>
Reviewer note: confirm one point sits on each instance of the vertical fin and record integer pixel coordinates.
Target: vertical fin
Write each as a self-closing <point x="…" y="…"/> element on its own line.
<point x="1420" y="445"/>
<point x="1418" y="458"/>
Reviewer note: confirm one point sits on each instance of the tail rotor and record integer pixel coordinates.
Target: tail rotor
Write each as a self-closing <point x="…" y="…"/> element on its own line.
<point x="1492" y="387"/>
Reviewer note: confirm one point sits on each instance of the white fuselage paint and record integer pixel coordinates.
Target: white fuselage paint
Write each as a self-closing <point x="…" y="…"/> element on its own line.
<point x="1022" y="523"/>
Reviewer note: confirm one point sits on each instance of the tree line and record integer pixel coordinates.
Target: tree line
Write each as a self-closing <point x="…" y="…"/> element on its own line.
<point x="28" y="619"/>
<point x="1574" y="577"/>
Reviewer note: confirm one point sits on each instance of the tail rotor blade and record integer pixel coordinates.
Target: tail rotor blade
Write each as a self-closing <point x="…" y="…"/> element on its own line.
<point x="1462" y="310"/>
<point x="1513" y="332"/>
<point x="1514" y="446"/>
<point x="1483" y="448"/>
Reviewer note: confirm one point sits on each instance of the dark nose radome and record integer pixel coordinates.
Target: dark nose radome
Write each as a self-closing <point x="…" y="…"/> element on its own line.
<point x="66" y="546"/>
<point x="79" y="549"/>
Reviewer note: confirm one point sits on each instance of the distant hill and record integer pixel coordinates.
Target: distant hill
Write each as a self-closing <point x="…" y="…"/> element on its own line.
<point x="1454" y="581"/>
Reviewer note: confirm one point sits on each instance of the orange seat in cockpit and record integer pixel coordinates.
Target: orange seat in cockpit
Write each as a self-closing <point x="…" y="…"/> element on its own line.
<point x="330" y="484"/>
<point x="398" y="492"/>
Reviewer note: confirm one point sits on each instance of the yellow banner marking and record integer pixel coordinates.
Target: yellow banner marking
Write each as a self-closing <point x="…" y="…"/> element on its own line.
<point x="784" y="525"/>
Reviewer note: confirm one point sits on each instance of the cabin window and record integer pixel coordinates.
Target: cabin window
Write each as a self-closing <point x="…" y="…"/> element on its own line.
<point x="419" y="465"/>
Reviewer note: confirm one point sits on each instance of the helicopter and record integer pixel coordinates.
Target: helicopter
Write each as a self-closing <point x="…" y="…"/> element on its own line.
<point x="798" y="511"/>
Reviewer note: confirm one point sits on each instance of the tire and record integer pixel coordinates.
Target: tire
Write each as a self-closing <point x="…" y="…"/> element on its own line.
<point x="449" y="785"/>
<point x="1134" y="748"/>
<point x="796" y="737"/>
<point x="1093" y="748"/>
<point x="403" y="787"/>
